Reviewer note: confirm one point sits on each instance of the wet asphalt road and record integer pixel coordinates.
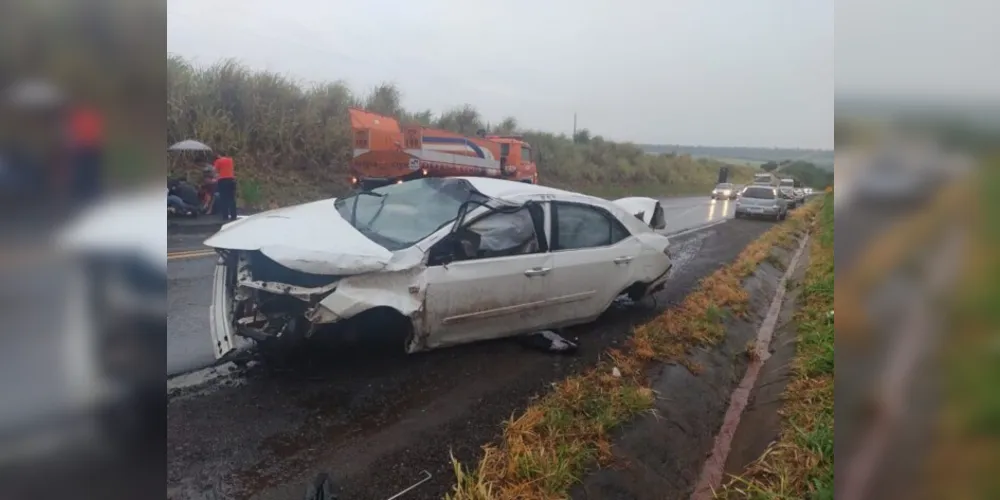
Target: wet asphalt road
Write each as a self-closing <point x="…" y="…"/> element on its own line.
<point x="376" y="418"/>
<point x="190" y="265"/>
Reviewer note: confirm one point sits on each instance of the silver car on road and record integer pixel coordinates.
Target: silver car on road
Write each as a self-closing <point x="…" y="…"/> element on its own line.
<point x="761" y="201"/>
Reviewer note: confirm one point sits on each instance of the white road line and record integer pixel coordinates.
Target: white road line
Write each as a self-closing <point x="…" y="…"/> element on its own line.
<point x="695" y="229"/>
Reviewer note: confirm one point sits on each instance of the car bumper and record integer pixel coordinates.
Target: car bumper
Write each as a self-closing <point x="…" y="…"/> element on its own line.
<point x="758" y="211"/>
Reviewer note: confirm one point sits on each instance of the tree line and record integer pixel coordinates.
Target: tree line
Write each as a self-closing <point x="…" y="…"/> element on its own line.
<point x="292" y="141"/>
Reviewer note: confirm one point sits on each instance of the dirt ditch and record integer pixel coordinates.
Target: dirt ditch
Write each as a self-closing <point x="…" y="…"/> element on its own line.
<point x="665" y="453"/>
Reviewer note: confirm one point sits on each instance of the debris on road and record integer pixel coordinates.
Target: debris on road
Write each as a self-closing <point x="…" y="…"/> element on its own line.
<point x="549" y="341"/>
<point x="321" y="488"/>
<point x="427" y="477"/>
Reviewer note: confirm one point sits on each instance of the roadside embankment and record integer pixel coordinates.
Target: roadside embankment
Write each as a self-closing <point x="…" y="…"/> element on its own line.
<point x="799" y="462"/>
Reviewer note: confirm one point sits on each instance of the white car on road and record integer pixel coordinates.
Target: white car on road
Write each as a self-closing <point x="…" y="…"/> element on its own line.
<point x="444" y="260"/>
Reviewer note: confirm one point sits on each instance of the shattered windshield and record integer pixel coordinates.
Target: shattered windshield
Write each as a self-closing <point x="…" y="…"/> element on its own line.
<point x="398" y="215"/>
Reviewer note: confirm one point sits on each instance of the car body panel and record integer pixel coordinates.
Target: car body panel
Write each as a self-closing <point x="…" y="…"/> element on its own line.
<point x="518" y="291"/>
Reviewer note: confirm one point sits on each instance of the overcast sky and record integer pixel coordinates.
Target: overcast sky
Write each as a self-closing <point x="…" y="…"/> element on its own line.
<point x="696" y="72"/>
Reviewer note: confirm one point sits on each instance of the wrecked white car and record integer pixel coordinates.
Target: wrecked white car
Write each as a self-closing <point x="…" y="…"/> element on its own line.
<point x="447" y="260"/>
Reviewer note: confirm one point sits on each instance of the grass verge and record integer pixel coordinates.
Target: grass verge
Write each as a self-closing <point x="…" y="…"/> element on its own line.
<point x="547" y="448"/>
<point x="966" y="450"/>
<point x="800" y="464"/>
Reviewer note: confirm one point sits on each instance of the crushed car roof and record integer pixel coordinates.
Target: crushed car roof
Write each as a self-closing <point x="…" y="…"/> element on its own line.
<point x="501" y="188"/>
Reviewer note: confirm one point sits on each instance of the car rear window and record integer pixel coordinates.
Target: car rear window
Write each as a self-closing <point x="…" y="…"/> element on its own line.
<point x="759" y="193"/>
<point x="724" y="186"/>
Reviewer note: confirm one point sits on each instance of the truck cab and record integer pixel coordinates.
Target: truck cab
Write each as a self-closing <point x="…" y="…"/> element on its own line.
<point x="765" y="179"/>
<point x="516" y="159"/>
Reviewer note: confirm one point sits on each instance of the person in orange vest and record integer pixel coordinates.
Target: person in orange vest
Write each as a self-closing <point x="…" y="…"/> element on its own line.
<point x="227" y="187"/>
<point x="86" y="137"/>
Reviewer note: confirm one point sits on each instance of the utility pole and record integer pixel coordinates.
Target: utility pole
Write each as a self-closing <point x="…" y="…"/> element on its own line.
<point x="574" y="126"/>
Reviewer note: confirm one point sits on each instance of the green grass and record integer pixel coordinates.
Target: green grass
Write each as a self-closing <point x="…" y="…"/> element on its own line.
<point x="967" y="452"/>
<point x="800" y="464"/>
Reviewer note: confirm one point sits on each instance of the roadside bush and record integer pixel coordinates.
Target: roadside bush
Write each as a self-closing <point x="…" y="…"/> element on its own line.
<point x="291" y="141"/>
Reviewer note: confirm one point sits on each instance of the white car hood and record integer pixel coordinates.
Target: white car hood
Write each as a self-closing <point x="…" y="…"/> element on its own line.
<point x="312" y="238"/>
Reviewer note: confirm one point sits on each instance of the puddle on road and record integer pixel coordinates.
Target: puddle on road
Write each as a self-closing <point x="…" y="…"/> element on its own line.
<point x="686" y="250"/>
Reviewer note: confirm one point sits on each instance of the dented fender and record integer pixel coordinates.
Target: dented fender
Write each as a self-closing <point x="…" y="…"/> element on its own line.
<point x="404" y="291"/>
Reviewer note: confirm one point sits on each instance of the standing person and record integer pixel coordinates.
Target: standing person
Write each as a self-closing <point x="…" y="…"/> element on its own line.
<point x="227" y="187"/>
<point x="86" y="129"/>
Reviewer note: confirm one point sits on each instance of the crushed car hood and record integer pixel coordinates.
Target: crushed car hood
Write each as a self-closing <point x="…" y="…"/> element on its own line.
<point x="312" y="238"/>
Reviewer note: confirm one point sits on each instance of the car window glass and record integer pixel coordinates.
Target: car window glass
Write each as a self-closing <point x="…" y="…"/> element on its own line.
<point x="502" y="234"/>
<point x="759" y="193"/>
<point x="399" y="215"/>
<point x="580" y="226"/>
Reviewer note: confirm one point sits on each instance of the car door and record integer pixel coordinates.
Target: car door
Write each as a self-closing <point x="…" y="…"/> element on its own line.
<point x="593" y="257"/>
<point x="502" y="290"/>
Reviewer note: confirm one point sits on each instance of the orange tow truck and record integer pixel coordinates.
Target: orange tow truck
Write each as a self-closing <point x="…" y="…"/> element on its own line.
<point x="385" y="152"/>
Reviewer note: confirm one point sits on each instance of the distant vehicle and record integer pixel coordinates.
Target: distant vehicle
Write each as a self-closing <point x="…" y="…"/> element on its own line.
<point x="761" y="201"/>
<point x="724" y="191"/>
<point x="891" y="180"/>
<point x="723" y="175"/>
<point x="387" y="153"/>
<point x="789" y="194"/>
<point x="765" y="179"/>
<point x="790" y="186"/>
<point x="441" y="261"/>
